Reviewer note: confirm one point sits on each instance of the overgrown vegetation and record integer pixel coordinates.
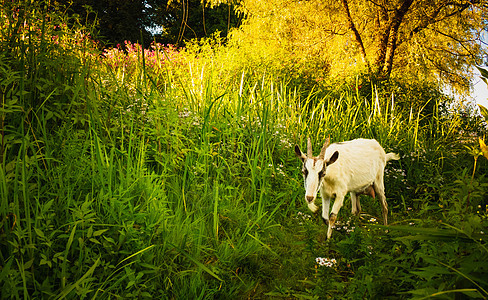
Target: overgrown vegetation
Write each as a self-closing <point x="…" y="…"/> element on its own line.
<point x="170" y="173"/>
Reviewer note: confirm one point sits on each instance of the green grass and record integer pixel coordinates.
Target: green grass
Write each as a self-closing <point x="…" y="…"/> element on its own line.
<point x="179" y="181"/>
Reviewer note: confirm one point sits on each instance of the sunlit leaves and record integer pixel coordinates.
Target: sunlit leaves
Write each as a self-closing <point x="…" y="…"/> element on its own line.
<point x="435" y="39"/>
<point x="484" y="148"/>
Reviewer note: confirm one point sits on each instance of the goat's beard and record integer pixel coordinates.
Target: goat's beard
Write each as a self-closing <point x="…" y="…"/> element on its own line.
<point x="312" y="206"/>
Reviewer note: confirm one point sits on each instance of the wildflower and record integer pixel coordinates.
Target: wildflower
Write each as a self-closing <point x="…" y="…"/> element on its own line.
<point x="372" y="220"/>
<point x="302" y="217"/>
<point x="280" y="171"/>
<point x="326" y="262"/>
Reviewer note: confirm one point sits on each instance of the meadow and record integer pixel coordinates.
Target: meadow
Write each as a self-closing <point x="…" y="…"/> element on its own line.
<point x="169" y="173"/>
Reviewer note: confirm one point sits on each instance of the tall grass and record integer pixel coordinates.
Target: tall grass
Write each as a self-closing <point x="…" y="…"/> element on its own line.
<point x="144" y="174"/>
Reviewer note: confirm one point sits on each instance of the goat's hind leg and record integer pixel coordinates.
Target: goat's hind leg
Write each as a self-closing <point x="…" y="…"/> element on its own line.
<point x="379" y="188"/>
<point x="358" y="206"/>
<point x="355" y="205"/>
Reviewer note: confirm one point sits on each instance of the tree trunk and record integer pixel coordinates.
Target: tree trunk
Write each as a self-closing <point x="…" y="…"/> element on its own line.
<point x="357" y="36"/>
<point x="388" y="26"/>
<point x="381" y="38"/>
<point x="392" y="37"/>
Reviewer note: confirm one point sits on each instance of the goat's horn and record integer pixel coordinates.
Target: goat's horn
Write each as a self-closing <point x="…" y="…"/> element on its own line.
<point x="324" y="147"/>
<point x="309" y="148"/>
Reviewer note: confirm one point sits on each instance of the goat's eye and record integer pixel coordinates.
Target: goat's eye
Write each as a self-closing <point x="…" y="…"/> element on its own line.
<point x="321" y="173"/>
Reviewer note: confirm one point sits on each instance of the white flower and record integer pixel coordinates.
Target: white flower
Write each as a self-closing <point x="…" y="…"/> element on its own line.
<point x="303" y="217"/>
<point x="326" y="262"/>
<point x="184" y="114"/>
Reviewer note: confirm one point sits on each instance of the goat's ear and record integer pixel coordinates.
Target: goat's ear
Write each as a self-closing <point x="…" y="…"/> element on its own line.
<point x="299" y="153"/>
<point x="333" y="158"/>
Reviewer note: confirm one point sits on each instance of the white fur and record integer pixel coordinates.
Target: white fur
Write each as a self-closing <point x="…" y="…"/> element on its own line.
<point x="360" y="165"/>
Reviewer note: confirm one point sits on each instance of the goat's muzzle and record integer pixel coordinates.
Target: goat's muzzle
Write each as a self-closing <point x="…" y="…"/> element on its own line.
<point x="309" y="198"/>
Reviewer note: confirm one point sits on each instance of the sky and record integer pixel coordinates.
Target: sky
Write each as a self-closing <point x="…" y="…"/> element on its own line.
<point x="480" y="92"/>
<point x="480" y="89"/>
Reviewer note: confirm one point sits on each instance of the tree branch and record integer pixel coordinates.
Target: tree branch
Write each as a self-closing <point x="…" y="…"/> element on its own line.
<point x="432" y="19"/>
<point x="458" y="41"/>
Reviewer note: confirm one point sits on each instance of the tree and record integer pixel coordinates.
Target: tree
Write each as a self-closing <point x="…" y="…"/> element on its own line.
<point x="187" y="19"/>
<point x="436" y="28"/>
<point x="422" y="39"/>
<point x="116" y="20"/>
<point x="133" y="20"/>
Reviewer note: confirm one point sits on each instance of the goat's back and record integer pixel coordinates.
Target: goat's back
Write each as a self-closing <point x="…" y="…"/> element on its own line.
<point x="359" y="162"/>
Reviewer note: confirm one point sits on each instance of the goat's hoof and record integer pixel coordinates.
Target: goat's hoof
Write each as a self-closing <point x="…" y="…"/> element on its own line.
<point x="332" y="218"/>
<point x="314" y="208"/>
<point x="329" y="233"/>
<point x="326" y="221"/>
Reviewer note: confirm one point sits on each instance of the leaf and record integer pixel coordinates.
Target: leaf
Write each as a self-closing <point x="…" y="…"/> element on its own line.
<point x="95" y="241"/>
<point x="99" y="232"/>
<point x="422" y="291"/>
<point x="47" y="206"/>
<point x="5" y="270"/>
<point x="437" y="294"/>
<point x="110" y="240"/>
<point x="90" y="232"/>
<point x="484" y="112"/>
<point x="485" y="80"/>
<point x="39" y="233"/>
<point x="198" y="263"/>
<point x="484" y="72"/>
<point x="430" y="272"/>
<point x="69" y="288"/>
<point x="28" y="264"/>
<point x="426" y="233"/>
<point x="45" y="262"/>
<point x="483" y="148"/>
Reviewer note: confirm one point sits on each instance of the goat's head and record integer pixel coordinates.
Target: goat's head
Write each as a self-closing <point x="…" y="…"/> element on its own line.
<point x="313" y="170"/>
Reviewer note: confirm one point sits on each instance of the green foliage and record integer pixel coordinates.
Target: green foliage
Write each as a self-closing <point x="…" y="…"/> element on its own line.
<point x="182" y="21"/>
<point x="115" y="21"/>
<point x="168" y="22"/>
<point x="170" y="173"/>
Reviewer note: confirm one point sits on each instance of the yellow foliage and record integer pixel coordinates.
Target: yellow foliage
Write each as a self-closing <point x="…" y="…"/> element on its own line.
<point x="436" y="40"/>
<point x="484" y="148"/>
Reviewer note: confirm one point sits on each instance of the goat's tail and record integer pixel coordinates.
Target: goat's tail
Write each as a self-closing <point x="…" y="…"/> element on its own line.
<point x="392" y="156"/>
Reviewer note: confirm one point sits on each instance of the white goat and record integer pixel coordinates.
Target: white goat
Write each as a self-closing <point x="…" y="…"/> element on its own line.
<point x="355" y="166"/>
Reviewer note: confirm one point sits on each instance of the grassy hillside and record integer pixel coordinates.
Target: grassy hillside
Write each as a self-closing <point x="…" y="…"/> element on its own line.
<point x="170" y="173"/>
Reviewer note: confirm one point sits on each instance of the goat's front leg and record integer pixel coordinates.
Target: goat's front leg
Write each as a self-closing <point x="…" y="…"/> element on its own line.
<point x="325" y="210"/>
<point x="339" y="200"/>
<point x="325" y="206"/>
